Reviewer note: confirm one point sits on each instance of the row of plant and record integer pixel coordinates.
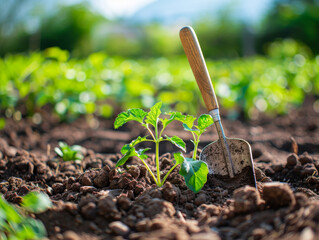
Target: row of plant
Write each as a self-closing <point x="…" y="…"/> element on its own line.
<point x="15" y="222"/>
<point x="99" y="83"/>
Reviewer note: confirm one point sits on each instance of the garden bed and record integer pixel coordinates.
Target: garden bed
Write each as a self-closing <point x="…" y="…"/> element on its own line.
<point x="107" y="203"/>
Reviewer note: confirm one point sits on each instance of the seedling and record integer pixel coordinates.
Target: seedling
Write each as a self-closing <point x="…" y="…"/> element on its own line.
<point x="193" y="171"/>
<point x="69" y="153"/>
<point x="15" y="222"/>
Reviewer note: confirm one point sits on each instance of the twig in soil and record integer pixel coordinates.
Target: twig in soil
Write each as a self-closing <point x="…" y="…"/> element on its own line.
<point x="48" y="150"/>
<point x="294" y="145"/>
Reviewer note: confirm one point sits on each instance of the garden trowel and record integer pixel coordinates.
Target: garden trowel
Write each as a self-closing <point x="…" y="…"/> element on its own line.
<point x="228" y="159"/>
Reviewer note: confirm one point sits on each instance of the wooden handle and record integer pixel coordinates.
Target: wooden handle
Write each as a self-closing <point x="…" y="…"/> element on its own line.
<point x="197" y="62"/>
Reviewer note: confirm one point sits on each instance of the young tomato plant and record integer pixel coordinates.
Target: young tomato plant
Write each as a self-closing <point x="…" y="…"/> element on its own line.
<point x="148" y="120"/>
<point x="194" y="172"/>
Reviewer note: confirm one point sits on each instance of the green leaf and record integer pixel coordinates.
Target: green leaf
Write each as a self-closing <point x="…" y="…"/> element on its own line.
<point x="138" y="140"/>
<point x="36" y="202"/>
<point x="195" y="173"/>
<point x="153" y="114"/>
<point x="134" y="142"/>
<point x="178" y="142"/>
<point x="173" y="116"/>
<point x="33" y="229"/>
<point x="130" y="153"/>
<point x="134" y="114"/>
<point x="204" y="121"/>
<point x="179" y="158"/>
<point x="125" y="149"/>
<point x="141" y="153"/>
<point x="189" y="121"/>
<point x="58" y="151"/>
<point x="190" y="129"/>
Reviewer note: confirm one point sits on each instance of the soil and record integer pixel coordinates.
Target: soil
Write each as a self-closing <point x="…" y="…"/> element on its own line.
<point x="93" y="200"/>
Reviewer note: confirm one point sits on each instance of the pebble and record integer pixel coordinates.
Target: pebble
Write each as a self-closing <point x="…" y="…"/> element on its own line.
<point x="307" y="234"/>
<point x="200" y="199"/>
<point x="278" y="194"/>
<point x="158" y="206"/>
<point x="89" y="211"/>
<point x="277" y="167"/>
<point x="86" y="181"/>
<point x="292" y="160"/>
<point x="124" y="203"/>
<point x="87" y="189"/>
<point x="102" y="179"/>
<point x="58" y="187"/>
<point x="134" y="171"/>
<point x="308" y="169"/>
<point x="305" y="158"/>
<point x="246" y="199"/>
<point x="169" y="192"/>
<point x="70" y="235"/>
<point x="119" y="228"/>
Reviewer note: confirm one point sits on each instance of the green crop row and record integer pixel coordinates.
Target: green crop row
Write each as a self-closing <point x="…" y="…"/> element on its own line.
<point x="100" y="83"/>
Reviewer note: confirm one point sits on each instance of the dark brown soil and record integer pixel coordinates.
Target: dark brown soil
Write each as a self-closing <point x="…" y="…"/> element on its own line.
<point x="102" y="202"/>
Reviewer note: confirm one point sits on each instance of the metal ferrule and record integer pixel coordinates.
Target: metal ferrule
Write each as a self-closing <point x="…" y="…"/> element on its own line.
<point x="215" y="114"/>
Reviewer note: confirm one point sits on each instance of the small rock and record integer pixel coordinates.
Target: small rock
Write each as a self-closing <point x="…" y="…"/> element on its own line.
<point x="200" y="199"/>
<point x="269" y="171"/>
<point x="75" y="187"/>
<point x="307" y="234"/>
<point x="107" y="208"/>
<point x="87" y="189"/>
<point x="205" y="236"/>
<point x="278" y="195"/>
<point x="102" y="179"/>
<point x="139" y="189"/>
<point x="70" y="235"/>
<point x="246" y="199"/>
<point x="305" y="158"/>
<point x="308" y="169"/>
<point x="189" y="206"/>
<point x="119" y="228"/>
<point x="277" y="167"/>
<point x="124" y="203"/>
<point x="258" y="233"/>
<point x="292" y="160"/>
<point x="134" y="171"/>
<point x="86" y="181"/>
<point x="157" y="206"/>
<point x="256" y="152"/>
<point x="69" y="182"/>
<point x="58" y="188"/>
<point x="89" y="211"/>
<point x="169" y="192"/>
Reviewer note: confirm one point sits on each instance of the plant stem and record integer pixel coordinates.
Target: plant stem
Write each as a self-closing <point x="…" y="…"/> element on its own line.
<point x="150" y="132"/>
<point x="168" y="173"/>
<point x="195" y="146"/>
<point x="157" y="154"/>
<point x="150" y="171"/>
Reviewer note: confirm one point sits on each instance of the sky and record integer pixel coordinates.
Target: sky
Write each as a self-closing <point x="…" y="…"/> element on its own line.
<point x="167" y="10"/>
<point x="120" y="8"/>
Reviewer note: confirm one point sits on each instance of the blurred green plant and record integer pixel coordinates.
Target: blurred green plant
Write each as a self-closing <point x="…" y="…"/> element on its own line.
<point x="69" y="153"/>
<point x="99" y="84"/>
<point x="297" y="19"/>
<point x="15" y="222"/>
